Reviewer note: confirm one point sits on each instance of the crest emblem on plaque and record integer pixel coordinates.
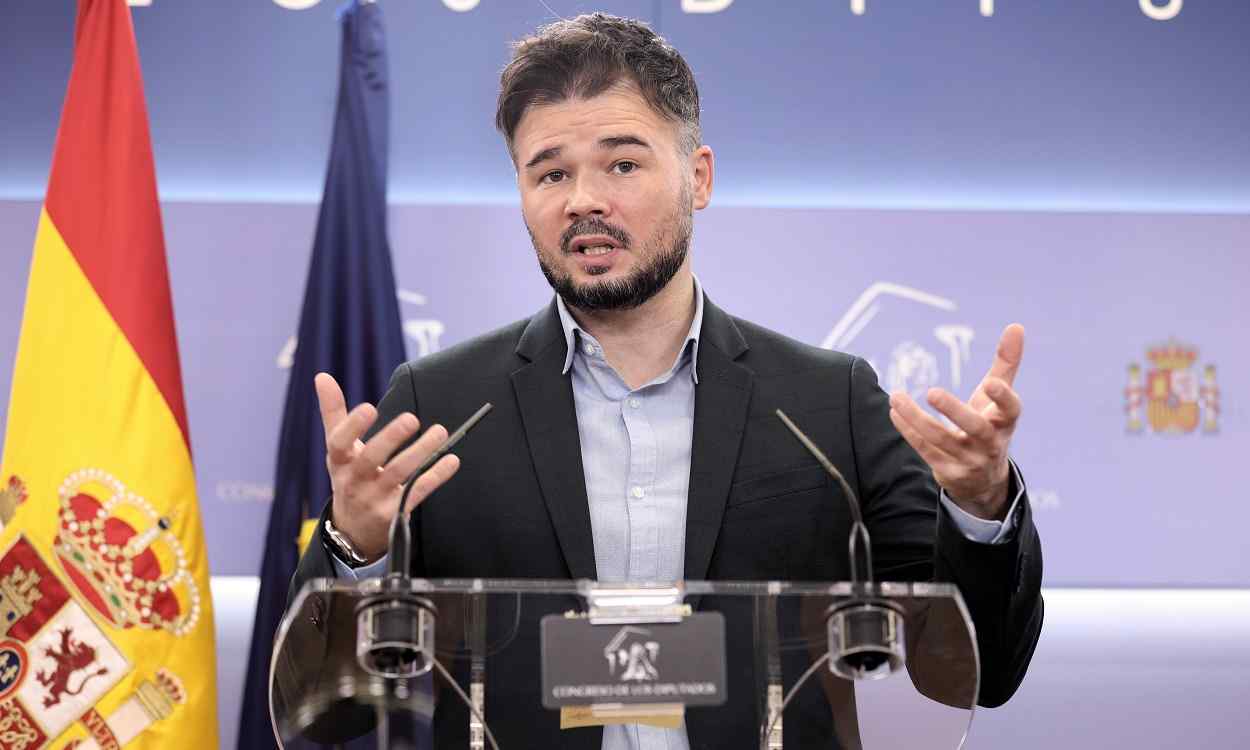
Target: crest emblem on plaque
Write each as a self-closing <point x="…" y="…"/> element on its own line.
<point x="633" y="653"/>
<point x="1172" y="396"/>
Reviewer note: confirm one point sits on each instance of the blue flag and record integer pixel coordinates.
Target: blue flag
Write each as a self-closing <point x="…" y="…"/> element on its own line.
<point x="349" y="327"/>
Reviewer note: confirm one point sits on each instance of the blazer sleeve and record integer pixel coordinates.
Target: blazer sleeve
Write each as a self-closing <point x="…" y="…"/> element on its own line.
<point x="400" y="397"/>
<point x="914" y="539"/>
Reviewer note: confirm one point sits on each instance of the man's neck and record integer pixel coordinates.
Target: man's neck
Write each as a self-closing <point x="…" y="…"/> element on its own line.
<point x="641" y="344"/>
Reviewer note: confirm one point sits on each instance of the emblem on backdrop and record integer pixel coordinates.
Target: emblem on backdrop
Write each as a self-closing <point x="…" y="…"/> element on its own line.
<point x="933" y="349"/>
<point x="423" y="331"/>
<point x="119" y="568"/>
<point x="1173" y="396"/>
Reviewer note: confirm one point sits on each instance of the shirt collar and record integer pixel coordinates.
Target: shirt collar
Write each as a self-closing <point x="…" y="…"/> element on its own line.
<point x="571" y="327"/>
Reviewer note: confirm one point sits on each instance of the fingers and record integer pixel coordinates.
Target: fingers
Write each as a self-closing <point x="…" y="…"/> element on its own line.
<point x="973" y="424"/>
<point x="1006" y="399"/>
<point x="1008" y="355"/>
<point x="377" y="452"/>
<point x="342" y="429"/>
<point x="931" y="454"/>
<point x="932" y="432"/>
<point x="330" y="399"/>
<point x="399" y="467"/>
<point x="434" y="477"/>
<point x="342" y="441"/>
<point x="971" y="469"/>
<point x="367" y="479"/>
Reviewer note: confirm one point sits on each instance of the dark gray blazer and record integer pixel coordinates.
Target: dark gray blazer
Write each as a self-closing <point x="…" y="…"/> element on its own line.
<point x="759" y="507"/>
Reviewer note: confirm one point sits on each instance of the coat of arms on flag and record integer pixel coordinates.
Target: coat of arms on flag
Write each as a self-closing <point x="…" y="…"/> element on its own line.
<point x="56" y="662"/>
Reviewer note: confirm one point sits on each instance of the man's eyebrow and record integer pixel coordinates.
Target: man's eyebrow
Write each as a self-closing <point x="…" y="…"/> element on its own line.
<point x="544" y="155"/>
<point x="609" y="142"/>
<point x="616" y="141"/>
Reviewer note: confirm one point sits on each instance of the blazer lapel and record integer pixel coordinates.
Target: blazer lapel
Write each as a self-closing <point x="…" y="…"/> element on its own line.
<point x="545" y="397"/>
<point x="721" y="402"/>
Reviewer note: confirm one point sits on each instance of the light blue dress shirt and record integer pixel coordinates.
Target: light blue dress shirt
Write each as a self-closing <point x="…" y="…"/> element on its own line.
<point x="636" y="460"/>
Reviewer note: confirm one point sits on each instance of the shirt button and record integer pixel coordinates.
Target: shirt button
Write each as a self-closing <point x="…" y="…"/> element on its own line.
<point x="637" y="492"/>
<point x="589" y="348"/>
<point x="635" y="403"/>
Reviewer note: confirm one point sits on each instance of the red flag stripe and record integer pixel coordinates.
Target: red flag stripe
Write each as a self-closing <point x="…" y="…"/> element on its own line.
<point x="102" y="192"/>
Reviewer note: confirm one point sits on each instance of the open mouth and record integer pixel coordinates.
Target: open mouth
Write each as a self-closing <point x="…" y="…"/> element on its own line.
<point x="594" y="245"/>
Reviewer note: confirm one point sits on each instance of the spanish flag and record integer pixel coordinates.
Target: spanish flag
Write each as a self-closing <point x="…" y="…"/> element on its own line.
<point x="106" y="625"/>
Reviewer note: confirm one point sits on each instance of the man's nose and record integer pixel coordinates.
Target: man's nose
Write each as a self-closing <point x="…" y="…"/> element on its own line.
<point x="587" y="198"/>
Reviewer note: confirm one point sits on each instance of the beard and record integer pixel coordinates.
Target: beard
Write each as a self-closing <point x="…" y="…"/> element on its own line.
<point x="662" y="257"/>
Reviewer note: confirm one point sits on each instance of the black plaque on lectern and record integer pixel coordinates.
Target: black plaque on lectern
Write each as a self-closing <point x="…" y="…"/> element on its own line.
<point x="678" y="662"/>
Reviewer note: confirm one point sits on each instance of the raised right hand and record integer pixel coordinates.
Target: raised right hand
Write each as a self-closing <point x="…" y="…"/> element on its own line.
<point x="366" y="485"/>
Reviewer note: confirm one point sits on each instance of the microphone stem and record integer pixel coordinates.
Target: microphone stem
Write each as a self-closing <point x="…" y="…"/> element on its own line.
<point x="400" y="542"/>
<point x="858" y="529"/>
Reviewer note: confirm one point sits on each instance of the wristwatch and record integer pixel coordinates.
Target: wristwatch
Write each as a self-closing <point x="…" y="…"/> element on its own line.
<point x="342" y="548"/>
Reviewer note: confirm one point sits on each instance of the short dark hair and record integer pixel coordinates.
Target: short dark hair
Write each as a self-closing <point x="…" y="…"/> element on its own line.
<point x="584" y="56"/>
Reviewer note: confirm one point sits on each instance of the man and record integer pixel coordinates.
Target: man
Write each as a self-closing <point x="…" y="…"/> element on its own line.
<point x="633" y="436"/>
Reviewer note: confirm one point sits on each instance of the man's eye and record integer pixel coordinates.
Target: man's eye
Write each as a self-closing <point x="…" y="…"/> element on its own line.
<point x="553" y="176"/>
<point x="625" y="167"/>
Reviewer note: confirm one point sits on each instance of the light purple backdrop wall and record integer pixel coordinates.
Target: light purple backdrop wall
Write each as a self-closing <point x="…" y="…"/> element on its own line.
<point x="1057" y="105"/>
<point x="904" y="288"/>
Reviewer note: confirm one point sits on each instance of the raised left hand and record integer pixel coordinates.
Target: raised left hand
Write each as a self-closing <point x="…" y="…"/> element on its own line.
<point x="969" y="460"/>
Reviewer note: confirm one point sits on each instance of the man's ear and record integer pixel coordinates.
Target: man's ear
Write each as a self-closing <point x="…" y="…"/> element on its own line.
<point x="703" y="165"/>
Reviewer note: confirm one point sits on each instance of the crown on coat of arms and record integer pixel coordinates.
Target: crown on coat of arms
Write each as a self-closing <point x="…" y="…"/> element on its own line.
<point x="1172" y="356"/>
<point x="122" y="557"/>
<point x="160" y="696"/>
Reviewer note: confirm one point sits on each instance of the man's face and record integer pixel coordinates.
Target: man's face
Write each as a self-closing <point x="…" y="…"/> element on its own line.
<point x="607" y="195"/>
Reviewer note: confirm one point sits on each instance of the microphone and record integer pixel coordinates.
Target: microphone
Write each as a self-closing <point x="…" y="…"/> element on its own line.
<point x="394" y="627"/>
<point x="865" y="631"/>
<point x="399" y="548"/>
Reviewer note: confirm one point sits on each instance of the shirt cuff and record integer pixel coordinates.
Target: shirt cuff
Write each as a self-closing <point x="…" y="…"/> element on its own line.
<point x="980" y="529"/>
<point x="375" y="569"/>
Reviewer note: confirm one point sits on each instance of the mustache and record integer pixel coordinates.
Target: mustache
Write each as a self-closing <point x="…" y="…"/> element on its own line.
<point x="593" y="225"/>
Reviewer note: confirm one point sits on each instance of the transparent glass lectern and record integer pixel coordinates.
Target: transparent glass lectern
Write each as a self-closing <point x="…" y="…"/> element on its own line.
<point x="771" y="664"/>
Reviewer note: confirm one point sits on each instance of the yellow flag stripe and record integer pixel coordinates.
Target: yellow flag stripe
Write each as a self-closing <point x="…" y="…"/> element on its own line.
<point x="82" y="399"/>
<point x="80" y="393"/>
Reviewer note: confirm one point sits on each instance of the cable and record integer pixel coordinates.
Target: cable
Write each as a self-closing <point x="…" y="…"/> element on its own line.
<point x="786" y="701"/>
<point x="516" y="628"/>
<point x="456" y="686"/>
